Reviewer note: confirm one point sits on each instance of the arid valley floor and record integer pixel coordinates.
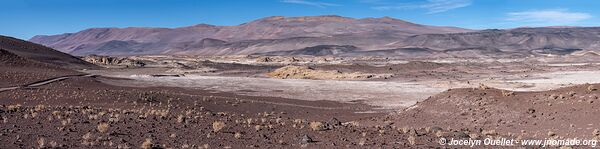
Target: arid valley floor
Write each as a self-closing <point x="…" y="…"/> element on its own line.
<point x="295" y="101"/>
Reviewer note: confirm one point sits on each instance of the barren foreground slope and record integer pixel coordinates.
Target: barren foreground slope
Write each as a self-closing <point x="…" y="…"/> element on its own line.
<point x="237" y="102"/>
<point x="559" y="114"/>
<point x="82" y="112"/>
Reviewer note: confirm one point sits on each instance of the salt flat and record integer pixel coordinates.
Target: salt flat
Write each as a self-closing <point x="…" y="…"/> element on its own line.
<point x="387" y="95"/>
<point x="554" y="80"/>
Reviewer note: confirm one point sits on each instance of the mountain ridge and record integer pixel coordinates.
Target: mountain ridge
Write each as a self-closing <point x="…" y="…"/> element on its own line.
<point x="335" y="30"/>
<point x="316" y="35"/>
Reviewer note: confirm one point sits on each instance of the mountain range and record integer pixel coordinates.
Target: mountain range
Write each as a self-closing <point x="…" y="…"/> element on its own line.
<point x="323" y="35"/>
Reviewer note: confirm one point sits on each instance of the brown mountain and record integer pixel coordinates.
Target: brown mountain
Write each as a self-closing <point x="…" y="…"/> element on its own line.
<point x="262" y="35"/>
<point x="23" y="62"/>
<point x="546" y="40"/>
<point x="18" y="52"/>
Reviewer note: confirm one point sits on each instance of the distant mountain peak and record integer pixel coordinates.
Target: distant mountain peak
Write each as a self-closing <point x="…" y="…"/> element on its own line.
<point x="203" y="25"/>
<point x="326" y="18"/>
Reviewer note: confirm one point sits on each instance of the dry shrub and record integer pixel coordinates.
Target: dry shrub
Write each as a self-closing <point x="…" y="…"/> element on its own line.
<point x="483" y="87"/>
<point x="180" y="119"/>
<point x="412" y="140"/>
<point x="102" y="127"/>
<point x="551" y="133"/>
<point x="14" y="108"/>
<point x="41" y="143"/>
<point x="317" y="126"/>
<point x="404" y="130"/>
<point x="507" y="93"/>
<point x="237" y="135"/>
<point x="218" y="125"/>
<point x="591" y="88"/>
<point x="489" y="132"/>
<point x="87" y="138"/>
<point x="147" y="144"/>
<point x="39" y="107"/>
<point x="257" y="127"/>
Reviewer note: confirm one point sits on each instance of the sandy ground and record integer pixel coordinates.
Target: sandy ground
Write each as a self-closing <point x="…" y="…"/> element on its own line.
<point x="554" y="80"/>
<point x="410" y="83"/>
<point x="237" y="106"/>
<point x="387" y="95"/>
<point x="82" y="112"/>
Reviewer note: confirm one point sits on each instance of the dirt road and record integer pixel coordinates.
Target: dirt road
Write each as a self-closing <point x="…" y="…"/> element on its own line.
<point x="43" y="82"/>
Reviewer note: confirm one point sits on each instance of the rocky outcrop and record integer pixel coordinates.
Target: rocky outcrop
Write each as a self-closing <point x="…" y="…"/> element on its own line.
<point x="113" y="61"/>
<point x="305" y="72"/>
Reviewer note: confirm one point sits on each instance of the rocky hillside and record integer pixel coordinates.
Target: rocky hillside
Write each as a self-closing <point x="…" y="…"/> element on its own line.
<point x="320" y="50"/>
<point x="546" y="114"/>
<point x="533" y="40"/>
<point x="39" y="53"/>
<point x="416" y="52"/>
<point x="23" y="62"/>
<point x="8" y="59"/>
<point x="262" y="35"/>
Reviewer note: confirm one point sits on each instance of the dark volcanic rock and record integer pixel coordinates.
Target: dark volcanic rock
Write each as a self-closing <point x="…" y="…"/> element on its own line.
<point x="306" y="139"/>
<point x="40" y="53"/>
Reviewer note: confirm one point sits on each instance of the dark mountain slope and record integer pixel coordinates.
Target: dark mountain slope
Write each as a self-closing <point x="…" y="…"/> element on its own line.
<point x="40" y="53"/>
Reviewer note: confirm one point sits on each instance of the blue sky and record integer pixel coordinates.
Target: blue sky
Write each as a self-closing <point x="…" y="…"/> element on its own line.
<point x="26" y="18"/>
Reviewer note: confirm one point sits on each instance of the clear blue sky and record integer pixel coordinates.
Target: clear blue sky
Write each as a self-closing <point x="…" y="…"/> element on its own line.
<point x="26" y="18"/>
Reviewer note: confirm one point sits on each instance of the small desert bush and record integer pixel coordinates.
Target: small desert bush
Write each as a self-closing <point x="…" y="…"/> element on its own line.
<point x="317" y="126"/>
<point x="483" y="87"/>
<point x="180" y="119"/>
<point x="218" y="125"/>
<point x="87" y="138"/>
<point x="41" y="143"/>
<point x="147" y="144"/>
<point x="102" y="127"/>
<point x="507" y="93"/>
<point x="14" y="108"/>
<point x="257" y="127"/>
<point x="591" y="88"/>
<point x="39" y="107"/>
<point x="412" y="140"/>
<point x="237" y="135"/>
